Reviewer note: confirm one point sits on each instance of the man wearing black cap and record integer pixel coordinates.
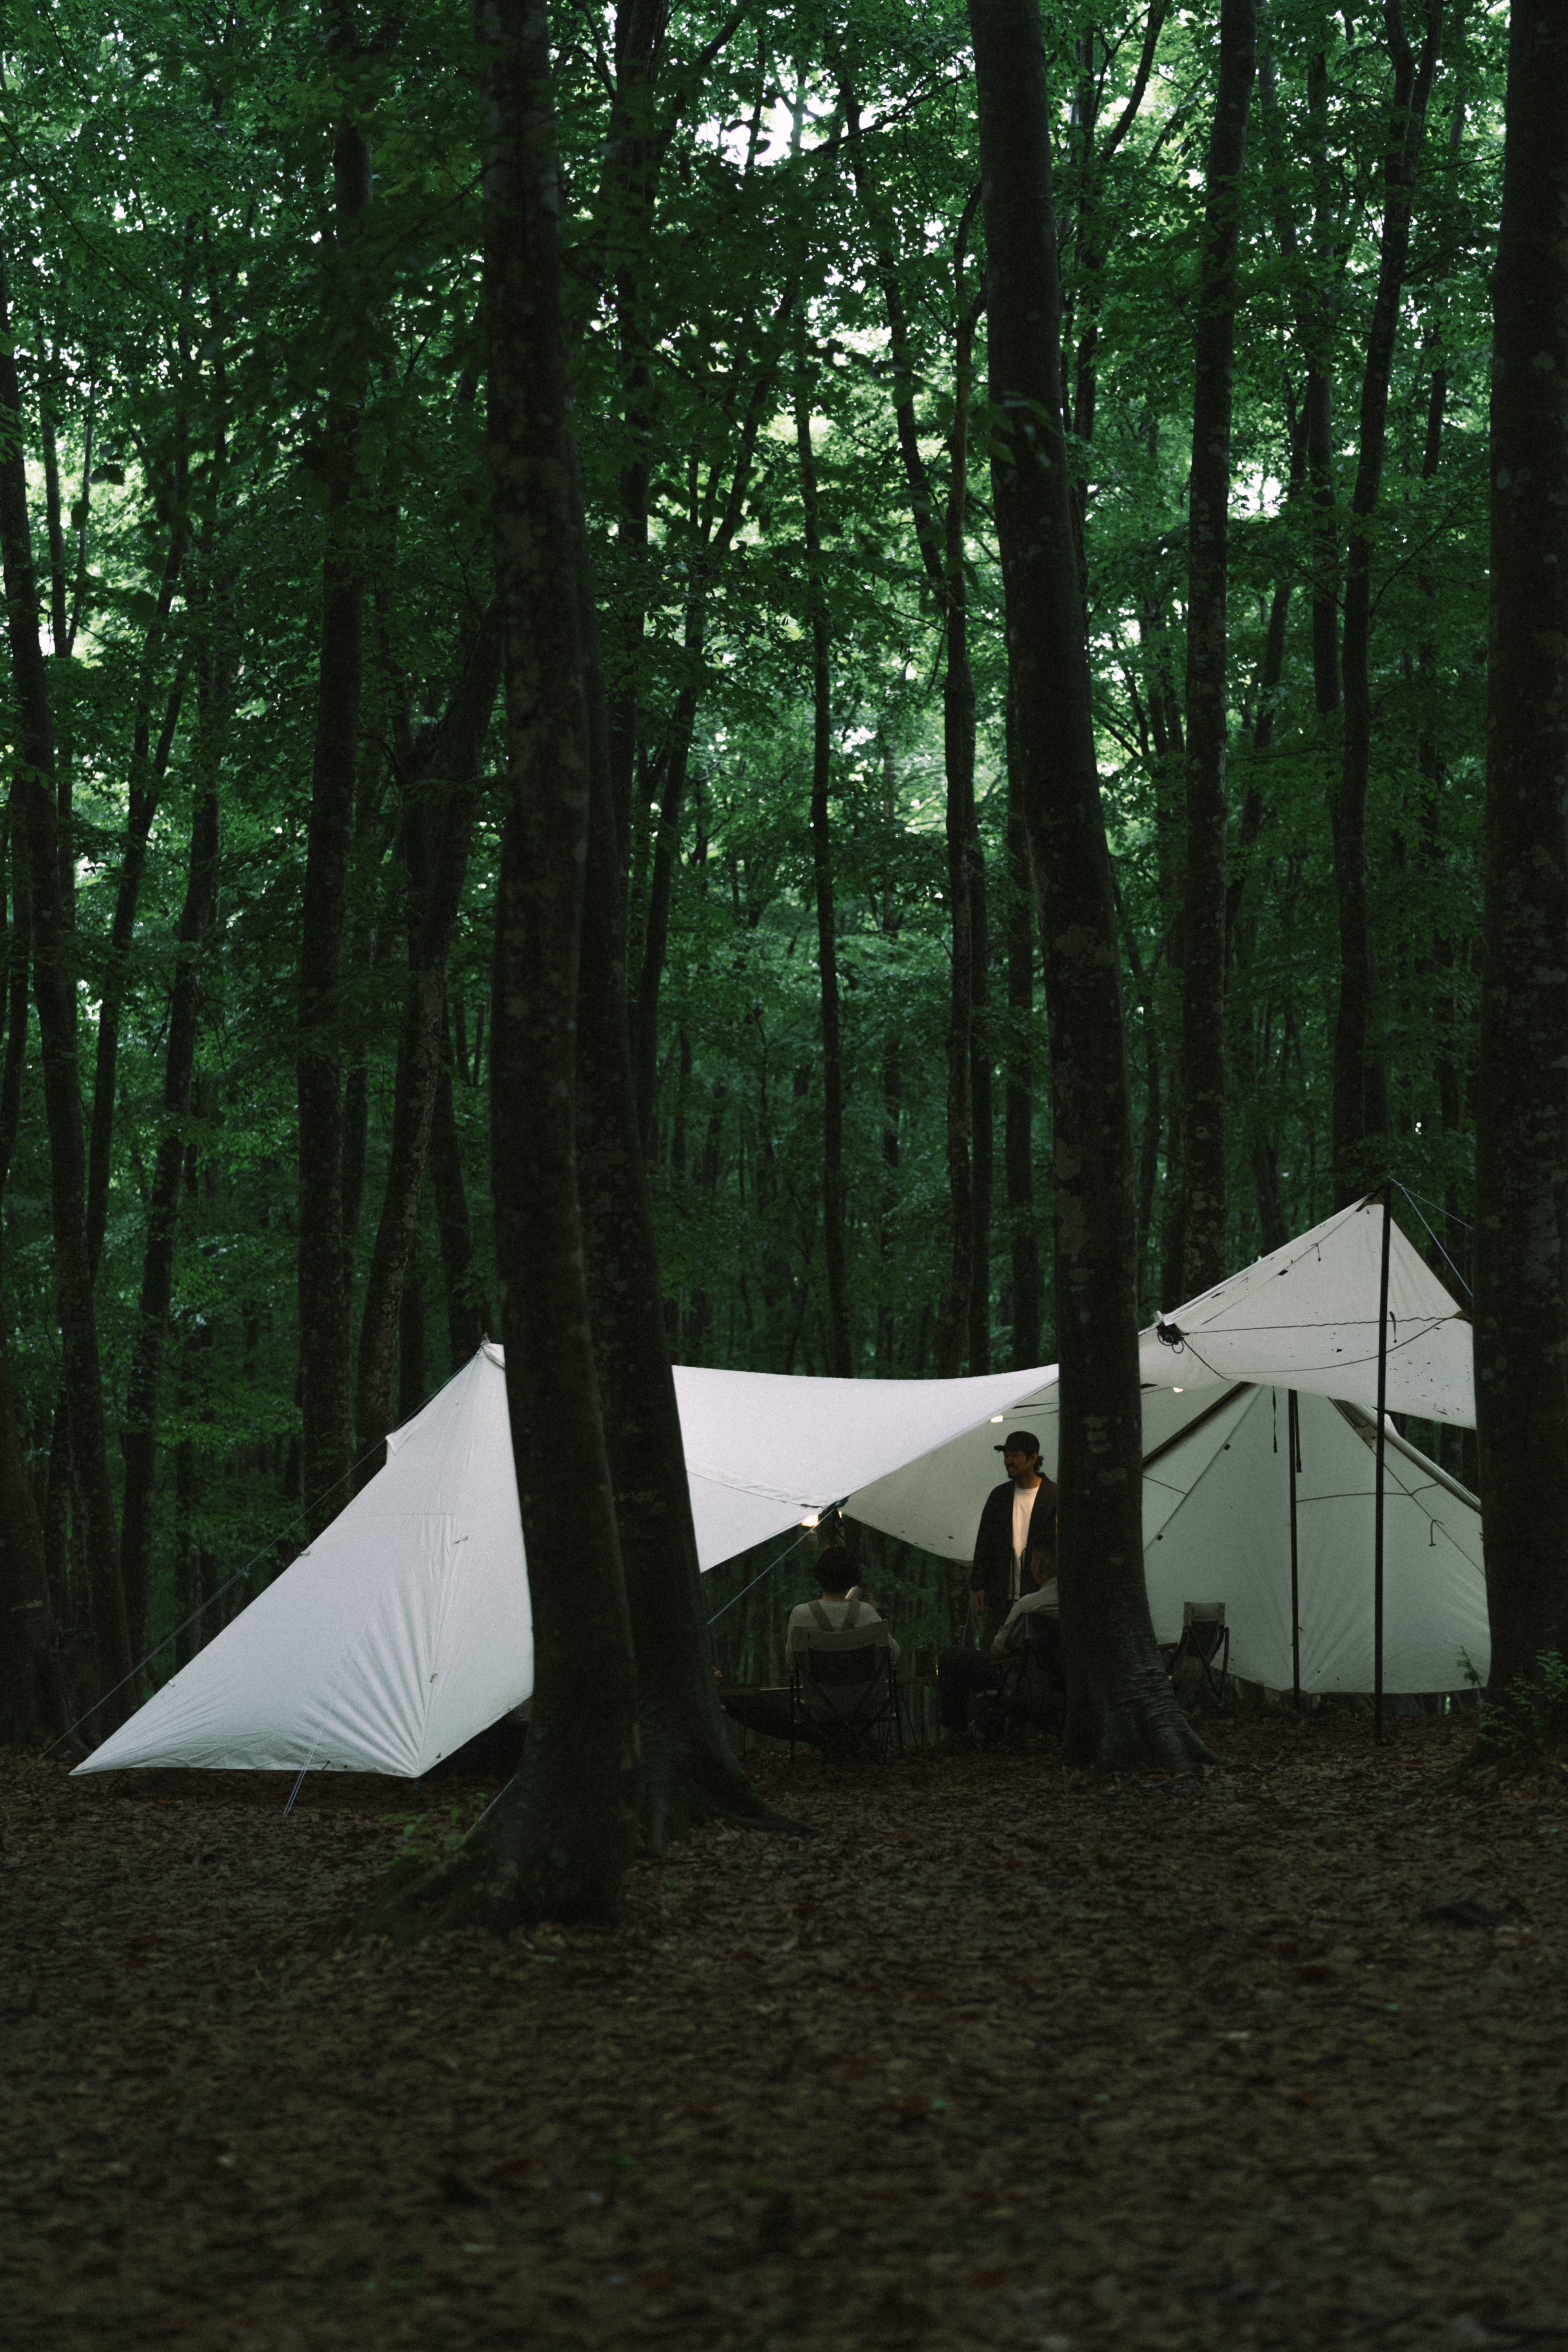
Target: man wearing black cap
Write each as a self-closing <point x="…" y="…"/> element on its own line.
<point x="1015" y="1571"/>
<point x="1016" y="1546"/>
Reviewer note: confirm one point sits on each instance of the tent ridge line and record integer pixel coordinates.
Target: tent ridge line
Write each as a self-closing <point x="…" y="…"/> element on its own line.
<point x="1192" y="1427"/>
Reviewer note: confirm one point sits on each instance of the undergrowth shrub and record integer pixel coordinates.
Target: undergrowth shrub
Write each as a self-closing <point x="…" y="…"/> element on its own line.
<point x="1527" y="1712"/>
<point x="429" y="1838"/>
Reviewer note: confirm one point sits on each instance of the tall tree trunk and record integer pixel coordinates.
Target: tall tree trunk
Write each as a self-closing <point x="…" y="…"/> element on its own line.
<point x="635" y="151"/>
<point x="557" y="1842"/>
<point x="32" y="1695"/>
<point x="324" y="1329"/>
<point x="688" y="1772"/>
<point x="54" y="985"/>
<point x="1121" y="1708"/>
<point x="1360" y="1106"/>
<point x="1206" y="1244"/>
<point x="145" y="784"/>
<point x="842" y="1364"/>
<point x="193" y="937"/>
<point x="1521" y="1138"/>
<point x="892" y="1106"/>
<point x="958" y="743"/>
<point x="942" y="546"/>
<point x="1018" y="1137"/>
<point x="440" y="797"/>
<point x="465" y="1320"/>
<point x="714" y="534"/>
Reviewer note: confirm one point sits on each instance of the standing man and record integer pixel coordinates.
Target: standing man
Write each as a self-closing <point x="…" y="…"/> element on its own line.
<point x="1016" y="1546"/>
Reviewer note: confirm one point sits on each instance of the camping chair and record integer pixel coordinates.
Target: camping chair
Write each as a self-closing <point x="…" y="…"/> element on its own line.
<point x="843" y="1687"/>
<point x="1033" y="1695"/>
<point x="1205" y="1636"/>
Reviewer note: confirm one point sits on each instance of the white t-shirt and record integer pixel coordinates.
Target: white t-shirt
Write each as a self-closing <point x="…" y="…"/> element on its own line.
<point x="1043" y="1597"/>
<point x="804" y="1620"/>
<point x="1022" y="1512"/>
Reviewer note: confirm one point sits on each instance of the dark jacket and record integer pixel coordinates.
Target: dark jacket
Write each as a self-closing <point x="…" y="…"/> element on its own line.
<point x="993" y="1571"/>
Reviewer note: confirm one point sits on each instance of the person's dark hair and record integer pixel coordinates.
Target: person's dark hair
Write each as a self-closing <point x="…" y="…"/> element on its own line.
<point x="836" y="1569"/>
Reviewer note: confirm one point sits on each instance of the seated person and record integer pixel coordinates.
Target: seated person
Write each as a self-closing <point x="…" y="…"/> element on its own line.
<point x="832" y="1611"/>
<point x="959" y="1672"/>
<point x="841" y="1605"/>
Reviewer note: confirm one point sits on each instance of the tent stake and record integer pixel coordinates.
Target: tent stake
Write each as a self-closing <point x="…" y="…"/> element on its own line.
<point x="1293" y="1448"/>
<point x="1382" y="1418"/>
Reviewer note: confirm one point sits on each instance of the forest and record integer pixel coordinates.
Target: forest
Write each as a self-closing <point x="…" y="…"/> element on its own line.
<point x="259" y="1113"/>
<point x="698" y="690"/>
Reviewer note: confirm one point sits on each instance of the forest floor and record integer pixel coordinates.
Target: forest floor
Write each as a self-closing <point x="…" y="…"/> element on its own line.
<point x="993" y="2057"/>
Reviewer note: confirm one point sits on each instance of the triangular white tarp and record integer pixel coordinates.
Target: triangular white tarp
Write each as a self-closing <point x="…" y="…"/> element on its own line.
<point x="1306" y="1317"/>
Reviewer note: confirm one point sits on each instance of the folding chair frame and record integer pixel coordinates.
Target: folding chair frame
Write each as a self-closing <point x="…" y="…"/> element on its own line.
<point x="881" y="1707"/>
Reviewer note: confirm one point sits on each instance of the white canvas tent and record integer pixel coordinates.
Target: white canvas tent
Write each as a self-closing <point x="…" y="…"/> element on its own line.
<point x="404" y="1629"/>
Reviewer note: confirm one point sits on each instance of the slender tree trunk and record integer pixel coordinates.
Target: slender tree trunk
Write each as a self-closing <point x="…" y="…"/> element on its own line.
<point x="1206" y="1245"/>
<point x="714" y="535"/>
<point x="688" y="1772"/>
<point x="441" y="796"/>
<point x="193" y="938"/>
<point x="1521" y="1141"/>
<point x="942" y="546"/>
<point x="557" y="1844"/>
<point x="1018" y="1137"/>
<point x="324" y="1329"/>
<point x="841" y="1363"/>
<point x="412" y="1384"/>
<point x="958" y="739"/>
<point x="32" y="1694"/>
<point x="55" y="990"/>
<point x="634" y="152"/>
<point x="1360" y="1106"/>
<point x="465" y="1320"/>
<point x="892" y="1105"/>
<point x="1120" y="1708"/>
<point x="145" y="784"/>
<point x="662" y="885"/>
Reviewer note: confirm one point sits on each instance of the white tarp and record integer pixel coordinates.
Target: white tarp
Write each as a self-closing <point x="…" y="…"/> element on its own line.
<point x="1306" y="1317"/>
<point x="1216" y="1527"/>
<point x="404" y="1629"/>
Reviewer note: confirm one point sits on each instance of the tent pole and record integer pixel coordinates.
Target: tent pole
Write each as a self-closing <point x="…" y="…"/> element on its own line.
<point x="1292" y="1446"/>
<point x="1382" y="1417"/>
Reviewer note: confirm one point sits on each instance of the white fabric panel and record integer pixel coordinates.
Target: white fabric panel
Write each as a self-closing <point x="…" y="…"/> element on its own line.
<point x="1306" y="1317"/>
<point x="1170" y="1477"/>
<point x="804" y="1443"/>
<point x="402" y="1631"/>
<point x="1229" y="1540"/>
<point x="936" y="1501"/>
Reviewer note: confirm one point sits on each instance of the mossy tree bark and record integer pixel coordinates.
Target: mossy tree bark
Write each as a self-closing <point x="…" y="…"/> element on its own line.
<point x="1521" y="1127"/>
<point x="1120" y="1708"/>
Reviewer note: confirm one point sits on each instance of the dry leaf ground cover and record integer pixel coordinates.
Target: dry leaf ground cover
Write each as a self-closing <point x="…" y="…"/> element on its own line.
<point x="990" y="2058"/>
